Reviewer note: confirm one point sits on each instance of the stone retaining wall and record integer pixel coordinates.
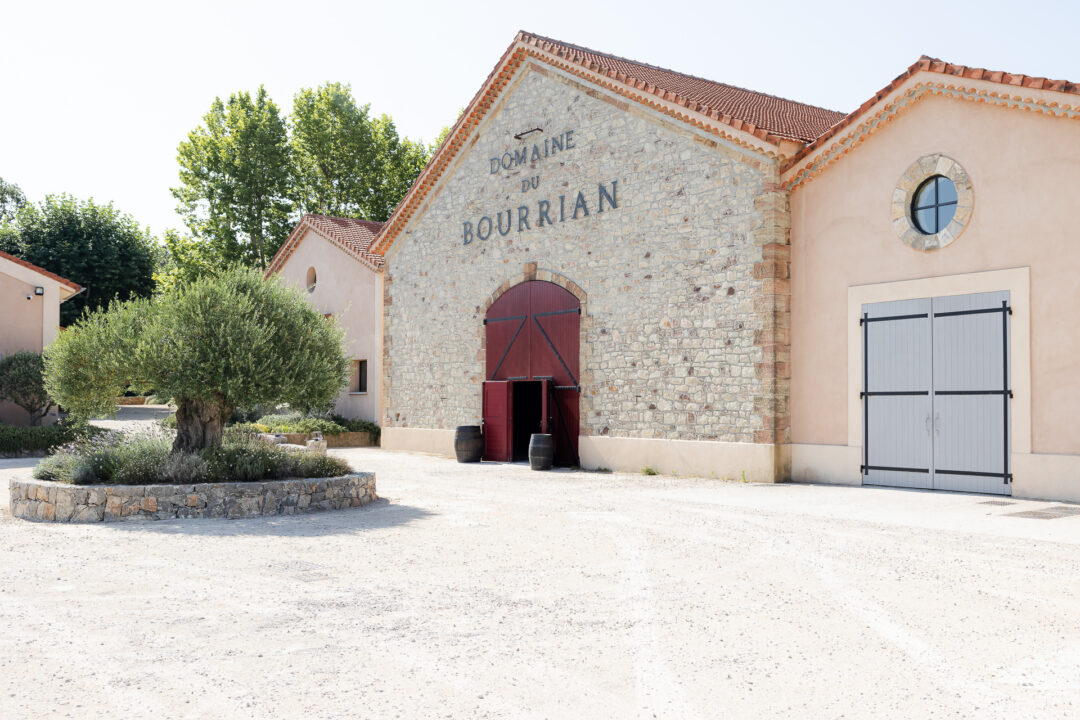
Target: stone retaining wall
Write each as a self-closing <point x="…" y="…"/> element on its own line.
<point x="59" y="502"/>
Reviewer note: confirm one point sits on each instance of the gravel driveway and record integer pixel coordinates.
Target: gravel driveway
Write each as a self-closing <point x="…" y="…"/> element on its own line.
<point x="493" y="591"/>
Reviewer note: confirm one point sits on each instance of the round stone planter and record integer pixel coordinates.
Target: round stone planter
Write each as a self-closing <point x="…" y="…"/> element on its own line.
<point x="59" y="502"/>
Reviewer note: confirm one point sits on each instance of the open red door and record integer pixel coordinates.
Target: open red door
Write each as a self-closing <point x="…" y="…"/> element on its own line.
<point x="498" y="411"/>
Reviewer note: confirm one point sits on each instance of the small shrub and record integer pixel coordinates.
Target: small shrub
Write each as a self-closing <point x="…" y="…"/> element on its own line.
<point x="649" y="470"/>
<point x="246" y="429"/>
<point x="168" y="422"/>
<point x="36" y="438"/>
<point x="139" y="461"/>
<point x="359" y="426"/>
<point x="297" y="423"/>
<point x="58" y="468"/>
<point x="184" y="468"/>
<point x="22" y="383"/>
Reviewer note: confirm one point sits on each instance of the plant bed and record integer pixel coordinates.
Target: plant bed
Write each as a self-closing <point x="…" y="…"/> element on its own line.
<point x="340" y="440"/>
<point x="47" y="501"/>
<point x="131" y="400"/>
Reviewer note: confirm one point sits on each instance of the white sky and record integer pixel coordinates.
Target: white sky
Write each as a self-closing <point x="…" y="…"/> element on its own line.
<point x="95" y="96"/>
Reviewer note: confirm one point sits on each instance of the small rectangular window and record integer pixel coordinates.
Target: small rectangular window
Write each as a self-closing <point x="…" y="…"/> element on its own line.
<point x="358" y="377"/>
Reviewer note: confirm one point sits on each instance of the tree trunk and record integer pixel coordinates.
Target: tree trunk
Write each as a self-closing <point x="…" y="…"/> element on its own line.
<point x="199" y="424"/>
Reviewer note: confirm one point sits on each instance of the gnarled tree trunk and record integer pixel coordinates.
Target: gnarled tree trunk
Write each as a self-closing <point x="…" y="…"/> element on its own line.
<point x="199" y="424"/>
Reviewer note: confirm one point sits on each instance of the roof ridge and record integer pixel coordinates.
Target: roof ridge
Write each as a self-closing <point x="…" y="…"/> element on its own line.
<point x="582" y="48"/>
<point x="344" y="217"/>
<point x="936" y="66"/>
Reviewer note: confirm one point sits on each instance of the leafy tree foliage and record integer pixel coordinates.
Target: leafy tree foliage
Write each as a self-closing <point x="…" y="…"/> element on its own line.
<point x="234" y="179"/>
<point x="184" y="259"/>
<point x="94" y="245"/>
<point x="11" y="199"/>
<point x="213" y="344"/>
<point x="346" y="162"/>
<point x="21" y="383"/>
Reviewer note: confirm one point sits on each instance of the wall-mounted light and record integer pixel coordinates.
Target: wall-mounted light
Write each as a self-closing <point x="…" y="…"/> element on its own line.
<point x="39" y="290"/>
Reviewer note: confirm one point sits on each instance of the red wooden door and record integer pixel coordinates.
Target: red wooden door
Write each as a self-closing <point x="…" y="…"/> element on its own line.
<point x="497" y="412"/>
<point x="533" y="333"/>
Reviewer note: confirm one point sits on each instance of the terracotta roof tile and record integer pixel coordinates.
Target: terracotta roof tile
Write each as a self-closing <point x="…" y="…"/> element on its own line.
<point x="63" y="281"/>
<point x="352" y="235"/>
<point x="777" y="116"/>
<point x="929" y="64"/>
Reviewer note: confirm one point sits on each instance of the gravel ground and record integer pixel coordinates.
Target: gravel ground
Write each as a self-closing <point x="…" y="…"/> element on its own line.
<point x="492" y="591"/>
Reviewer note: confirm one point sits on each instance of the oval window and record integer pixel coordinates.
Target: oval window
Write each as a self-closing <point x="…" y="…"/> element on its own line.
<point x="934" y="205"/>
<point x="311" y="279"/>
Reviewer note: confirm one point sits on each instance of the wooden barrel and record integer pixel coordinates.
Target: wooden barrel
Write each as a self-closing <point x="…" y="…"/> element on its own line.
<point x="468" y="443"/>
<point x="541" y="452"/>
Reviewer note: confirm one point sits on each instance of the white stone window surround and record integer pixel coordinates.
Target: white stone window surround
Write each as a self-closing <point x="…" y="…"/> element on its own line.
<point x="903" y="195"/>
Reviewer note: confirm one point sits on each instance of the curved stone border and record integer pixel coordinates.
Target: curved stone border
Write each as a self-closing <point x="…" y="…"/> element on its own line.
<point x="921" y="170"/>
<point x="59" y="502"/>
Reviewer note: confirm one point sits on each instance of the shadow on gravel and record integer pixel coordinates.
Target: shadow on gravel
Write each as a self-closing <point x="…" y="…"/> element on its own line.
<point x="373" y="516"/>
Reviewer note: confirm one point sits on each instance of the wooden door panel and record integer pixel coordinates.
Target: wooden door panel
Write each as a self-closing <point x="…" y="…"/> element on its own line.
<point x="497" y="413"/>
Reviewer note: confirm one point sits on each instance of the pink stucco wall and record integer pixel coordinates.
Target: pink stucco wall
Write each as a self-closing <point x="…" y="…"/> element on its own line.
<point x="21" y="324"/>
<point x="1025" y="171"/>
<point x="353" y="294"/>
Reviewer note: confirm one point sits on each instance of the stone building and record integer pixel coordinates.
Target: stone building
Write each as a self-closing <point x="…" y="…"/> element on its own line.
<point x="652" y="198"/>
<point x="662" y="270"/>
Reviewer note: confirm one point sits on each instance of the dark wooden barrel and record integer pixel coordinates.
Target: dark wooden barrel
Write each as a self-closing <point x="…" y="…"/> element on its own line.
<point x="541" y="452"/>
<point x="468" y="443"/>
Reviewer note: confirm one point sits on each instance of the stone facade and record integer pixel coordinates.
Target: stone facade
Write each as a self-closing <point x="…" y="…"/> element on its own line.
<point x="684" y="284"/>
<point x="58" y="502"/>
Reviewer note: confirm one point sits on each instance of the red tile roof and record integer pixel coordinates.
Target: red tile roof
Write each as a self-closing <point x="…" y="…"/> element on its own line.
<point x="778" y="116"/>
<point x="929" y="64"/>
<point x="667" y="91"/>
<point x="351" y="235"/>
<point x="42" y="271"/>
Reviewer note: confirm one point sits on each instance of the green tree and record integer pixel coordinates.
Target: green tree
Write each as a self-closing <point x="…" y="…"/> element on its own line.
<point x="346" y="162"/>
<point x="11" y="199"/>
<point x="234" y="179"/>
<point x="94" y="245"/>
<point x="183" y="259"/>
<point x="21" y="383"/>
<point x="333" y="151"/>
<point x="213" y="345"/>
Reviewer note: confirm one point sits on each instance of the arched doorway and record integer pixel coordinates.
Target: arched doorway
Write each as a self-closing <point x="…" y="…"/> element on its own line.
<point x="532" y="379"/>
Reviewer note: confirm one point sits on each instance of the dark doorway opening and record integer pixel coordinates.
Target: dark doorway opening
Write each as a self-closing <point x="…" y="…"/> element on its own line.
<point x="528" y="411"/>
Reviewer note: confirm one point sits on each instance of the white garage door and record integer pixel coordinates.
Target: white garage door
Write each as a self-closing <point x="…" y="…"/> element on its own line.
<point x="936" y="393"/>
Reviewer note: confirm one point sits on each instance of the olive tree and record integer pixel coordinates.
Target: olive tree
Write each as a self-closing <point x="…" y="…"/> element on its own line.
<point x="213" y="344"/>
<point x="21" y="383"/>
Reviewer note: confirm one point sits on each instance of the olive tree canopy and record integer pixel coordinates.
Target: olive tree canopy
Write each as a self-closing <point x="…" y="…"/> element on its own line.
<point x="214" y="344"/>
<point x="21" y="383"/>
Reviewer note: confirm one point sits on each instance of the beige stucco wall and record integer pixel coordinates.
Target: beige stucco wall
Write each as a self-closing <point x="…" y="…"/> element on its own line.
<point x="673" y="317"/>
<point x="25" y="324"/>
<point x="352" y="293"/>
<point x="1025" y="171"/>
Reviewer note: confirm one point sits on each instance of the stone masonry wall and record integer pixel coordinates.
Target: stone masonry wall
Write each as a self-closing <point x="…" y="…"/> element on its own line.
<point x="684" y="324"/>
<point x="58" y="502"/>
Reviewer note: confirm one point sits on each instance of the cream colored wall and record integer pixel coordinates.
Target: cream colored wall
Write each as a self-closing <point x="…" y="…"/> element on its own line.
<point x="25" y="324"/>
<point x="353" y="294"/>
<point x="1025" y="170"/>
<point x="20" y="319"/>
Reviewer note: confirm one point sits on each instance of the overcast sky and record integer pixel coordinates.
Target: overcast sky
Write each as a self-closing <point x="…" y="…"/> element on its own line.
<point x="97" y="95"/>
